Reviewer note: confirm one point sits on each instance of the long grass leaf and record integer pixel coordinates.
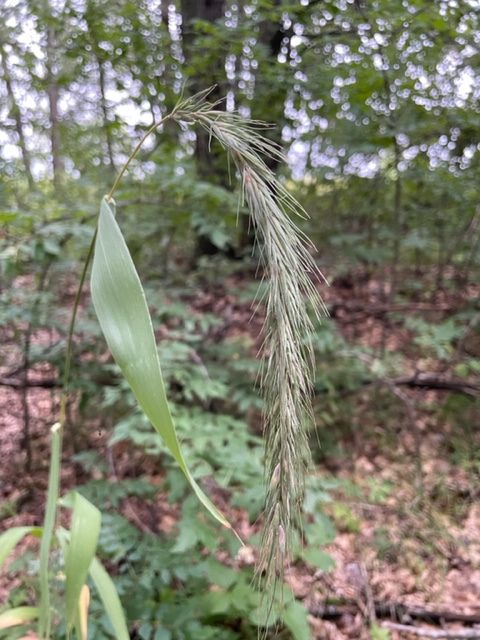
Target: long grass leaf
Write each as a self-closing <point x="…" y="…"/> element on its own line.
<point x="105" y="588"/>
<point x="84" y="531"/>
<point x="10" y="538"/>
<point x="81" y="622"/>
<point x="109" y="597"/>
<point x="16" y="616"/>
<point x="122" y="311"/>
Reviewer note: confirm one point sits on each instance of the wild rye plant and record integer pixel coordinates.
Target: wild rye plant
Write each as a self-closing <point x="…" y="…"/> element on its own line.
<point x="119" y="301"/>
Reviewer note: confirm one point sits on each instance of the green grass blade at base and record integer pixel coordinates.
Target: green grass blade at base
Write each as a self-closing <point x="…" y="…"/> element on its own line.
<point x="122" y="311"/>
<point x="10" y="538"/>
<point x="109" y="597"/>
<point x="17" y="616"/>
<point x="105" y="589"/>
<point x="84" y="532"/>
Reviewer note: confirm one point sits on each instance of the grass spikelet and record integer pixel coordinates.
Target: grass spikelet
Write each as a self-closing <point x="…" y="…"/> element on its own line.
<point x="285" y="254"/>
<point x="287" y="366"/>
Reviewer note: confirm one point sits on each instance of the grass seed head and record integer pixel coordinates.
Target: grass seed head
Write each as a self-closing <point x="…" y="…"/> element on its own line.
<point x="287" y="368"/>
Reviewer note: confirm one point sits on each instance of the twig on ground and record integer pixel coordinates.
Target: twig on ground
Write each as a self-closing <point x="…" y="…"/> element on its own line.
<point x="451" y="634"/>
<point x="396" y="611"/>
<point x="368" y="594"/>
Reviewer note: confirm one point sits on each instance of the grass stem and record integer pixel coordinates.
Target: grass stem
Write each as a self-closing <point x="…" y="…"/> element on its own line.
<point x="45" y="615"/>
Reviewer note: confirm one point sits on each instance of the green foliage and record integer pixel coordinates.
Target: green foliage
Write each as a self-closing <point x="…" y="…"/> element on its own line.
<point x="379" y="633"/>
<point x="438" y="339"/>
<point x="213" y="442"/>
<point x="379" y="103"/>
<point x="17" y="616"/>
<point x="78" y="547"/>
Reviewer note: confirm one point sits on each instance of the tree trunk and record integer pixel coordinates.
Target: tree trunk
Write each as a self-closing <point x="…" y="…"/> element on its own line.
<point x="209" y="10"/>
<point x="210" y="168"/>
<point x="103" y="104"/>
<point x="17" y="116"/>
<point x="92" y="18"/>
<point x="53" y="94"/>
<point x="270" y="97"/>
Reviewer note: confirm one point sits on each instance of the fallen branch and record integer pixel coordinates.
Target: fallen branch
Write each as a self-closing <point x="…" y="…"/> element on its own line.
<point x="396" y="611"/>
<point x="24" y="384"/>
<point x="418" y="381"/>
<point x="457" y="634"/>
<point x="376" y="310"/>
<point x="433" y="381"/>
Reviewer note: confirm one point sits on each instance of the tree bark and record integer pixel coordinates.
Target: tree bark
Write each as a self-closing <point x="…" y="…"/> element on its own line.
<point x="17" y="116"/>
<point x="92" y="17"/>
<point x="53" y="95"/>
<point x="209" y="165"/>
<point x="103" y="105"/>
<point x="211" y="11"/>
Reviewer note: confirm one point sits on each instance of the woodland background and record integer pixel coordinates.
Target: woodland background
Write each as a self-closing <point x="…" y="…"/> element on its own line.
<point x="375" y="103"/>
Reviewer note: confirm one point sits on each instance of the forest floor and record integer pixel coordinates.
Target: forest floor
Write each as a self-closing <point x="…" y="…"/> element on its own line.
<point x="406" y="509"/>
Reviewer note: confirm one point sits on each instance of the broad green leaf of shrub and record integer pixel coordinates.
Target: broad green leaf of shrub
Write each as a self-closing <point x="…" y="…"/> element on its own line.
<point x="294" y="617"/>
<point x="85" y="528"/>
<point x="318" y="558"/>
<point x="7" y="216"/>
<point x="122" y="311"/>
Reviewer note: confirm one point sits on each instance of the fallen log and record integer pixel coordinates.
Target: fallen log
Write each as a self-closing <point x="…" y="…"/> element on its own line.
<point x="418" y="381"/>
<point x="50" y="383"/>
<point x="395" y="611"/>
<point x="451" y="634"/>
<point x="433" y="381"/>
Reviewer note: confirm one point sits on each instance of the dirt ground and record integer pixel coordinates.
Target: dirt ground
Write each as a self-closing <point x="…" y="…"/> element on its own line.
<point x="408" y="545"/>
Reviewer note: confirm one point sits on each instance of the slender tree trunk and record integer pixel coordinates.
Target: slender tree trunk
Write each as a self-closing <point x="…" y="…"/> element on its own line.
<point x="397" y="209"/>
<point x="17" y="116"/>
<point x="270" y="97"/>
<point x="92" y="18"/>
<point x="397" y="225"/>
<point x="208" y="166"/>
<point x="53" y="95"/>
<point x="103" y="104"/>
<point x="210" y="10"/>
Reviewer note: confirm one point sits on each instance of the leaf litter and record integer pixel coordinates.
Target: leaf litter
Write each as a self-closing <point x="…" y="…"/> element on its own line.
<point x="391" y="550"/>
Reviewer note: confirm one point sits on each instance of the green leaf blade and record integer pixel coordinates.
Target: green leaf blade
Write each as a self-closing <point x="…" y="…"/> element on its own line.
<point x="124" y="318"/>
<point x="109" y="597"/>
<point x="17" y="616"/>
<point x="10" y="538"/>
<point x="85" y="529"/>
